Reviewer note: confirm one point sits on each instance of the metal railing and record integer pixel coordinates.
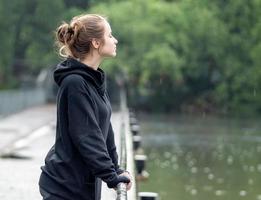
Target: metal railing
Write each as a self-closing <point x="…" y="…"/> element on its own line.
<point x="121" y="192"/>
<point x="121" y="188"/>
<point x="12" y="101"/>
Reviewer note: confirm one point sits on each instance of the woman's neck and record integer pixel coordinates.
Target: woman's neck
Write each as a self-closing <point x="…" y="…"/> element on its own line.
<point x="92" y="60"/>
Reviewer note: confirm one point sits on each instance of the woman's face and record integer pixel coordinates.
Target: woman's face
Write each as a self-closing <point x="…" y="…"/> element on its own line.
<point x="108" y="48"/>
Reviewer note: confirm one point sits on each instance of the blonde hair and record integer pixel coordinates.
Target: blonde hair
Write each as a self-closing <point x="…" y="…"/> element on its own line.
<point x="75" y="39"/>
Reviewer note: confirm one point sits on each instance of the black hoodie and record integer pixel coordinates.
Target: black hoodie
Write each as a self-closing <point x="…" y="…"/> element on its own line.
<point x="84" y="151"/>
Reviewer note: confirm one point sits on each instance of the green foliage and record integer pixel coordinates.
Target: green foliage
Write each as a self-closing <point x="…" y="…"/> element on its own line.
<point x="169" y="49"/>
<point x="41" y="26"/>
<point x="239" y="88"/>
<point x="190" y="55"/>
<point x="27" y="36"/>
<point x="7" y="46"/>
<point x="77" y="3"/>
<point x="177" y="55"/>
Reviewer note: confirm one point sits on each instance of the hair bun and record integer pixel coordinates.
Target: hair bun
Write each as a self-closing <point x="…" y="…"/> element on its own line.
<point x="65" y="33"/>
<point x="76" y="27"/>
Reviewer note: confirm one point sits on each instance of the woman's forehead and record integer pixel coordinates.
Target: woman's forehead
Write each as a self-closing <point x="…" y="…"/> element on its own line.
<point x="107" y="27"/>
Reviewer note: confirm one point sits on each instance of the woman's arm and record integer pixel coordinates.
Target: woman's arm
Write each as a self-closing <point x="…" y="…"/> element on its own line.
<point x="114" y="156"/>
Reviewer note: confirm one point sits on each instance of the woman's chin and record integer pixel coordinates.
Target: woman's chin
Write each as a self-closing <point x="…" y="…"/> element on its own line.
<point x="113" y="54"/>
<point x="110" y="55"/>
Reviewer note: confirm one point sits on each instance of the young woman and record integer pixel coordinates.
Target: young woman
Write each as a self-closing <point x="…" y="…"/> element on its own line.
<point x="84" y="152"/>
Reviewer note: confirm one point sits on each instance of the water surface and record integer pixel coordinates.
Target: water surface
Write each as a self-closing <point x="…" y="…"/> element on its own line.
<point x="202" y="157"/>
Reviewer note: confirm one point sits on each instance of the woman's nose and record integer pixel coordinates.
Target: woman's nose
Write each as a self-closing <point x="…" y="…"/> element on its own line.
<point x="115" y="41"/>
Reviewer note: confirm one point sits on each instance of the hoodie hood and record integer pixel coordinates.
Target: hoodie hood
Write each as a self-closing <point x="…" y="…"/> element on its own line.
<point x="72" y="66"/>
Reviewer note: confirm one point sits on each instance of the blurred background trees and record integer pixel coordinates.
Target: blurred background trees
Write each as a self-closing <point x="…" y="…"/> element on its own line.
<point x="177" y="55"/>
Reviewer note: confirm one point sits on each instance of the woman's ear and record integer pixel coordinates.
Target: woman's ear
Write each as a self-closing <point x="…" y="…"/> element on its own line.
<point x="96" y="43"/>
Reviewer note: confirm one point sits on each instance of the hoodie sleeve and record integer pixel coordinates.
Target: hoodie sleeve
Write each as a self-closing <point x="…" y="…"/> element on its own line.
<point x="86" y="133"/>
<point x="112" y="150"/>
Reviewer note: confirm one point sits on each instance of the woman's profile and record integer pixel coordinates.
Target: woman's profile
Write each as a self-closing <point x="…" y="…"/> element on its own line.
<point x="84" y="152"/>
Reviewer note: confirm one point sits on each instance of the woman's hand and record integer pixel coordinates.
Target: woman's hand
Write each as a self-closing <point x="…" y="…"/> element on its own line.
<point x="127" y="174"/>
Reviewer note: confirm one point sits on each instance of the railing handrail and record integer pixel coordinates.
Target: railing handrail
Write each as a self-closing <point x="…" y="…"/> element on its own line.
<point x="121" y="188"/>
<point x="121" y="192"/>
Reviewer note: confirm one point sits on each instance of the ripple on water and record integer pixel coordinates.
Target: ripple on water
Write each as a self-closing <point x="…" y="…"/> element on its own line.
<point x="194" y="170"/>
<point x="208" y="188"/>
<point x="174" y="158"/>
<point x="211" y="176"/>
<point x="220" y="192"/>
<point x="252" y="169"/>
<point x="193" y="192"/>
<point x="175" y="166"/>
<point x="259" y="167"/>
<point x="242" y="193"/>
<point x="258" y="148"/>
<point x="230" y="160"/>
<point x="167" y="154"/>
<point x="191" y="163"/>
<point x="206" y="170"/>
<point x="220" y="180"/>
<point x="215" y="165"/>
<point x="250" y="181"/>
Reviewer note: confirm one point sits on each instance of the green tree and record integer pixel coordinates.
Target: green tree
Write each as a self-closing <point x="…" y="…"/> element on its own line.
<point x="178" y="55"/>
<point x="27" y="37"/>
<point x="238" y="89"/>
<point x="170" y="50"/>
<point x="40" y="34"/>
<point x="7" y="42"/>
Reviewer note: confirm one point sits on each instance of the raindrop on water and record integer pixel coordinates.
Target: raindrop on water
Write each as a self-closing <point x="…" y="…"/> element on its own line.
<point x="210" y="176"/>
<point x="206" y="169"/>
<point x="175" y="166"/>
<point x="193" y="192"/>
<point x="188" y="187"/>
<point x="219" y="192"/>
<point x="174" y="158"/>
<point x="220" y="157"/>
<point x="220" y="180"/>
<point x="251" y="168"/>
<point x="258" y="148"/>
<point x="179" y="152"/>
<point x="242" y="193"/>
<point x="194" y="170"/>
<point x="250" y="181"/>
<point x="230" y="160"/>
<point x="191" y="163"/>
<point x="245" y="168"/>
<point x="259" y="167"/>
<point x="165" y="164"/>
<point x="167" y="154"/>
<point x="207" y="187"/>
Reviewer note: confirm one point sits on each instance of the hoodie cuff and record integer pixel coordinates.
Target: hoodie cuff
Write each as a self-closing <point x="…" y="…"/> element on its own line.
<point x="119" y="179"/>
<point x="119" y="171"/>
